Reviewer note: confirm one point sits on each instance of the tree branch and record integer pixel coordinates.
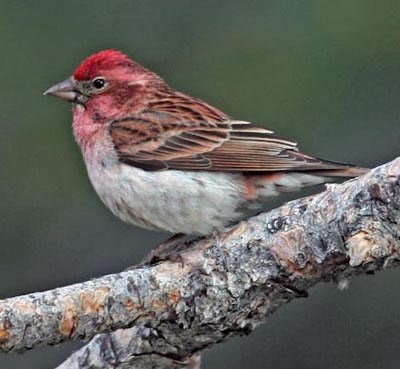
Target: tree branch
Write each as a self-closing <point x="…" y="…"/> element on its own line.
<point x="226" y="286"/>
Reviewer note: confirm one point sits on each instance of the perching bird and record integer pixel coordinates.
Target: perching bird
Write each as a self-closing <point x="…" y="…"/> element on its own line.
<point x="163" y="160"/>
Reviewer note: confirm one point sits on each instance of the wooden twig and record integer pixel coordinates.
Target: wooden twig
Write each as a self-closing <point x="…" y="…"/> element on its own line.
<point x="226" y="286"/>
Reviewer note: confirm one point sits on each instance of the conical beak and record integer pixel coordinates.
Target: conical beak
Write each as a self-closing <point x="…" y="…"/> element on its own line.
<point x="65" y="90"/>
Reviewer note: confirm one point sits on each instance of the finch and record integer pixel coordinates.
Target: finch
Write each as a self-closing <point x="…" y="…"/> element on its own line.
<point x="163" y="160"/>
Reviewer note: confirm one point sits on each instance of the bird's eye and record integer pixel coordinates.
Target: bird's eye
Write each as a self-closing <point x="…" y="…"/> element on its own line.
<point x="99" y="83"/>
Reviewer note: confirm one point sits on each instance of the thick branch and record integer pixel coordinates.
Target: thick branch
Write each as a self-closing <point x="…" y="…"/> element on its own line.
<point x="226" y="286"/>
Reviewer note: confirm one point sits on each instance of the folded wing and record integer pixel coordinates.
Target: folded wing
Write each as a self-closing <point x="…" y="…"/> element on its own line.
<point x="205" y="139"/>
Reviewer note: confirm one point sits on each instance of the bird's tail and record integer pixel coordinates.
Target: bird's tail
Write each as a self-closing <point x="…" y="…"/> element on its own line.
<point x="344" y="172"/>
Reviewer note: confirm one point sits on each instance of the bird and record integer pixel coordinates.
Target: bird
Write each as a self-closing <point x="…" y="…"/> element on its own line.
<point x="163" y="160"/>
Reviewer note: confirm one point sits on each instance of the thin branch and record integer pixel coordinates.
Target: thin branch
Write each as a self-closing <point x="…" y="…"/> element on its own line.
<point x="226" y="286"/>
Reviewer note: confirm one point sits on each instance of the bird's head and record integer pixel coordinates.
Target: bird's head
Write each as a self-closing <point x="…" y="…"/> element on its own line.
<point x="106" y="82"/>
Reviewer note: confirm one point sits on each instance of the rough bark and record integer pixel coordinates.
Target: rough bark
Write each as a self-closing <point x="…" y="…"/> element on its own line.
<point x="223" y="286"/>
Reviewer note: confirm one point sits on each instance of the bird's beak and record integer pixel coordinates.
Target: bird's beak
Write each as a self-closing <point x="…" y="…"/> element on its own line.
<point x="65" y="90"/>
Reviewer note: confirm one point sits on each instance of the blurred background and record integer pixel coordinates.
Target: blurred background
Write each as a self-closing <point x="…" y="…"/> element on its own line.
<point x="324" y="72"/>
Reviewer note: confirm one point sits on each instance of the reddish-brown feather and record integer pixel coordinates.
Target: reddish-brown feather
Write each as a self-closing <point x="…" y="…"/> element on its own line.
<point x="180" y="132"/>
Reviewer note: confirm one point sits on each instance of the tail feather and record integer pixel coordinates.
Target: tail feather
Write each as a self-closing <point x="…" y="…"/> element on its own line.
<point x="322" y="167"/>
<point x="346" y="171"/>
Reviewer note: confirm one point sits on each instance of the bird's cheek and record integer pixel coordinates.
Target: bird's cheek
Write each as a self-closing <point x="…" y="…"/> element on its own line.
<point x="103" y="107"/>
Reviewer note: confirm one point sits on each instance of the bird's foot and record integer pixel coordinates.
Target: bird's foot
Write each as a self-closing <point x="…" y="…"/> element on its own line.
<point x="164" y="252"/>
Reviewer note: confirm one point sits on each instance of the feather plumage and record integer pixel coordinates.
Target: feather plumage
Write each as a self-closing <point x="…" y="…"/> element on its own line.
<point x="179" y="132"/>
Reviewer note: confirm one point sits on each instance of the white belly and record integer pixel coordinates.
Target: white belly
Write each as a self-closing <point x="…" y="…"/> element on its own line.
<point x="174" y="201"/>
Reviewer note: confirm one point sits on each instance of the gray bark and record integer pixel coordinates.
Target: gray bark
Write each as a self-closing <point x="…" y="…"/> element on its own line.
<point x="222" y="286"/>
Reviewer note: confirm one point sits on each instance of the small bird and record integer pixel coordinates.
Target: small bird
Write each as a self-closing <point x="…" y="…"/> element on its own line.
<point x="163" y="160"/>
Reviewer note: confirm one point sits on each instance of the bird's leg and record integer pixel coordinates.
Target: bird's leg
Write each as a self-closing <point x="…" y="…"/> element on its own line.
<point x="160" y="253"/>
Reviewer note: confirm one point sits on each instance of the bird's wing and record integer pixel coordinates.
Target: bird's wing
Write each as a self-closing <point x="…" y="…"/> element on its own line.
<point x="203" y="139"/>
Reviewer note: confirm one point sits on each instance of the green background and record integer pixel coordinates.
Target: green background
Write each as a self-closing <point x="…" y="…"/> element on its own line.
<point x="323" y="72"/>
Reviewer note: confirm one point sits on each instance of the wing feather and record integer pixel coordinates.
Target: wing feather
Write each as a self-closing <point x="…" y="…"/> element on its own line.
<point x="187" y="134"/>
